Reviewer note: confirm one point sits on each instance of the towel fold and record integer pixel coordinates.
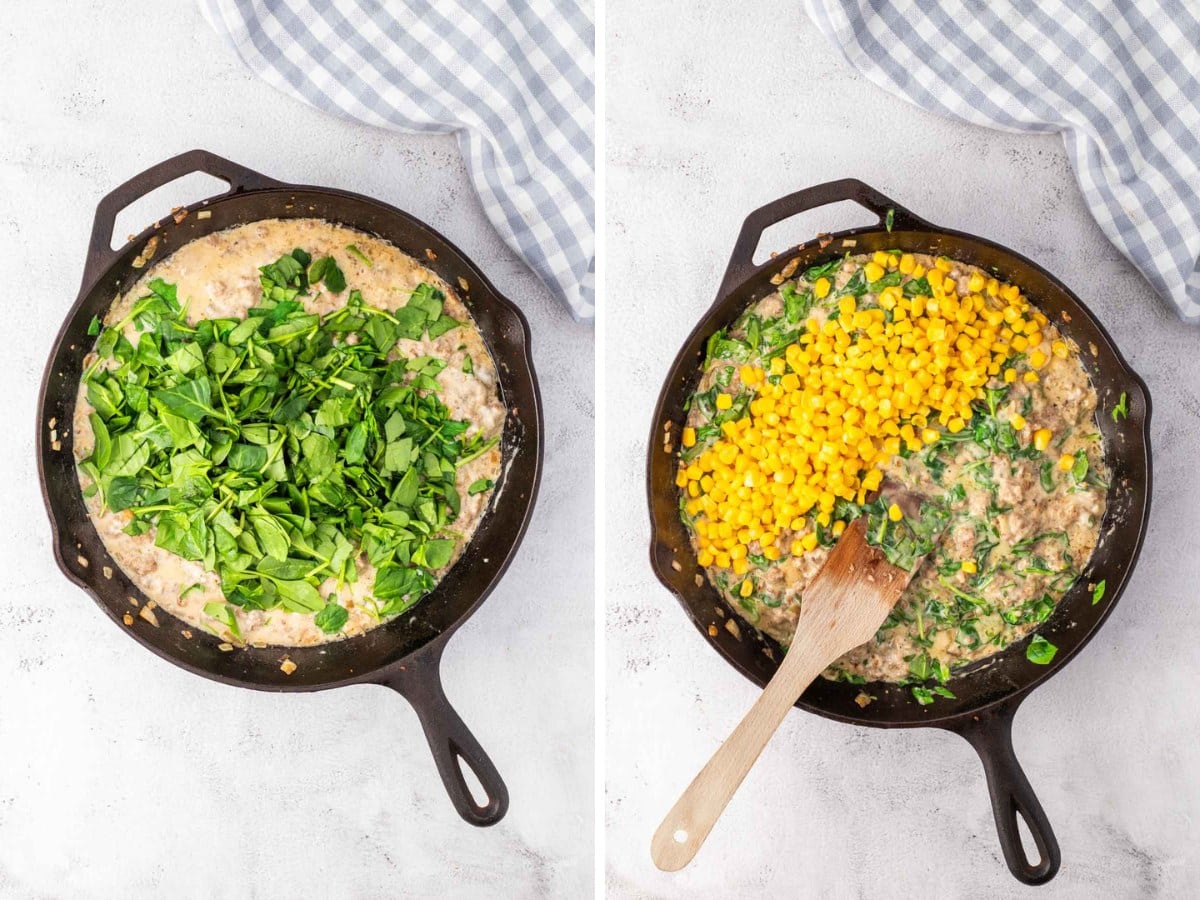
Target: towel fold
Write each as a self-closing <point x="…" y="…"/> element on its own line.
<point x="513" y="79"/>
<point x="1120" y="80"/>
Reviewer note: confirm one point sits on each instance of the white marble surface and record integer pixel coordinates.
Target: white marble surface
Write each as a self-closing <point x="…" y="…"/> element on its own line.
<point x="122" y="776"/>
<point x="711" y="114"/>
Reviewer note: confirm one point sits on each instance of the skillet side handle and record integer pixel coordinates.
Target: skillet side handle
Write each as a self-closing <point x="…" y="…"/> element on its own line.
<point x="419" y="681"/>
<point x="100" y="253"/>
<point x="991" y="736"/>
<point x="741" y="262"/>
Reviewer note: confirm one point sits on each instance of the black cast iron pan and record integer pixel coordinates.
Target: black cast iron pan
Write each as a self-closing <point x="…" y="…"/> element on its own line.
<point x="404" y="654"/>
<point x="988" y="692"/>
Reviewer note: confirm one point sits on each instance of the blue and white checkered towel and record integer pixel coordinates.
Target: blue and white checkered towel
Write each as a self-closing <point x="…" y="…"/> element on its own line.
<point x="1119" y="79"/>
<point x="512" y="78"/>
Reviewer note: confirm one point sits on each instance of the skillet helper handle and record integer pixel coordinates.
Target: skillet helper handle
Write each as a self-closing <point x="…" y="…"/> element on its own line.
<point x="452" y="743"/>
<point x="991" y="736"/>
<point x="100" y="253"/>
<point x="741" y="262"/>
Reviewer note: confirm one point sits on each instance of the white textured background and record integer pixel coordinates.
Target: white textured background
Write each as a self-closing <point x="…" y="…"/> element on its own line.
<point x="122" y="776"/>
<point x="712" y="113"/>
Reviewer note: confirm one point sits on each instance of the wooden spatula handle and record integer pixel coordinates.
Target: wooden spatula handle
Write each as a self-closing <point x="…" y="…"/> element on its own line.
<point x="692" y="817"/>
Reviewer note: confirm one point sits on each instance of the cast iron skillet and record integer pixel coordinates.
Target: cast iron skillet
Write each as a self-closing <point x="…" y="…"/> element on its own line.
<point x="404" y="654"/>
<point x="988" y="692"/>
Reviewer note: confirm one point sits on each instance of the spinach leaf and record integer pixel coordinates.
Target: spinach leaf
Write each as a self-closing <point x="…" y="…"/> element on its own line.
<point x="795" y="305"/>
<point x="856" y="286"/>
<point x="223" y="613"/>
<point x="332" y="618"/>
<point x="1120" y="411"/>
<point x="191" y="400"/>
<point x="1040" y="651"/>
<point x="824" y="270"/>
<point x="891" y="279"/>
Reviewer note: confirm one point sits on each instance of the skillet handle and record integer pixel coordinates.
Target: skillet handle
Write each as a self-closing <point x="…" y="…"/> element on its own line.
<point x="741" y="262"/>
<point x="100" y="253"/>
<point x="419" y="681"/>
<point x="991" y="736"/>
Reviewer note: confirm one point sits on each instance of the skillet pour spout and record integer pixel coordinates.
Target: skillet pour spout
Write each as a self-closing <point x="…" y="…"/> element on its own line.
<point x="987" y="693"/>
<point x="403" y="654"/>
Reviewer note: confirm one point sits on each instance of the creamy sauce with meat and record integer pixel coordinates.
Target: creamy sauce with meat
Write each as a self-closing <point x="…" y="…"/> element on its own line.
<point x="217" y="276"/>
<point x="1021" y="527"/>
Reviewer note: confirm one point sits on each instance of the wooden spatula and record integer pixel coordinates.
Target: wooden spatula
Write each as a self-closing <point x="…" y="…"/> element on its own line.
<point x="843" y="607"/>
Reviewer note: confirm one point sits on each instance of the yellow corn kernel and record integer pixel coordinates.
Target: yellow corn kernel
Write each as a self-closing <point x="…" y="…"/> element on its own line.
<point x="772" y="553"/>
<point x="838" y="527"/>
<point x="955" y="424"/>
<point x="740" y="566"/>
<point x="1060" y="349"/>
<point x="1037" y="359"/>
<point x="821" y="288"/>
<point x="895" y="513"/>
<point x="1010" y="375"/>
<point x="874" y="271"/>
<point x="1031" y="377"/>
<point x="747" y="588"/>
<point x="1041" y="438"/>
<point x="809" y="541"/>
<point x="930" y="435"/>
<point x="705" y="558"/>
<point x="976" y="283"/>
<point x="970" y="566"/>
<point x="681" y="478"/>
<point x="1017" y="421"/>
<point x="907" y="263"/>
<point x="689" y="436"/>
<point x="1066" y="462"/>
<point x="724" y="401"/>
<point x="881" y="259"/>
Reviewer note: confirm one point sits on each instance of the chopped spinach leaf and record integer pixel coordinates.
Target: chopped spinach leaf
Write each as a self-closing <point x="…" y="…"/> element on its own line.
<point x="1040" y="651"/>
<point x="1120" y="411"/>
<point x="359" y="255"/>
<point x="824" y="270"/>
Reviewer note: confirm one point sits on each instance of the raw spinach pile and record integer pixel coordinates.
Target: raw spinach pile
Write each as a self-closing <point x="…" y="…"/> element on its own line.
<point x="277" y="448"/>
